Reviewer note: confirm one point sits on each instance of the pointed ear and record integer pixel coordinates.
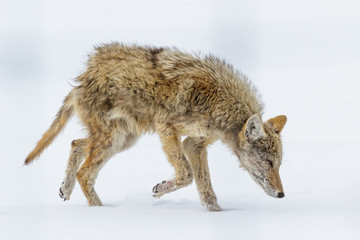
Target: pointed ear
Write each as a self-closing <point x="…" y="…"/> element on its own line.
<point x="253" y="128"/>
<point x="277" y="123"/>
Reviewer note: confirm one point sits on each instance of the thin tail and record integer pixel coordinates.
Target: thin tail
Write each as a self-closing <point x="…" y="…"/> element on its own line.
<point x="64" y="114"/>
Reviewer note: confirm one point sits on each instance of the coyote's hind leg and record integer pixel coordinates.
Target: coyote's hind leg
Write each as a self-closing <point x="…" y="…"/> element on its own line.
<point x="173" y="148"/>
<point x="76" y="156"/>
<point x="101" y="149"/>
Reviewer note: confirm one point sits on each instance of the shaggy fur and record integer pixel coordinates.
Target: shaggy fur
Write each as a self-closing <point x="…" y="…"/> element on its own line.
<point x="127" y="91"/>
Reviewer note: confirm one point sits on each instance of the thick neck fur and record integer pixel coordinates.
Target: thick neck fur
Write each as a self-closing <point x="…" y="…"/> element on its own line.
<point x="228" y="95"/>
<point x="237" y="100"/>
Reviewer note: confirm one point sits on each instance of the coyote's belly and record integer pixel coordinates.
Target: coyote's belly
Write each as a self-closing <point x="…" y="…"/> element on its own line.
<point x="195" y="125"/>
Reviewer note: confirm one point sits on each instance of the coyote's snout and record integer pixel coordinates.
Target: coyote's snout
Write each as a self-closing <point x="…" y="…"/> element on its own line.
<point x="130" y="90"/>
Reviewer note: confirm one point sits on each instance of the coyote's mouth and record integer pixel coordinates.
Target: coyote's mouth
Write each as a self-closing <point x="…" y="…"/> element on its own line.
<point x="266" y="186"/>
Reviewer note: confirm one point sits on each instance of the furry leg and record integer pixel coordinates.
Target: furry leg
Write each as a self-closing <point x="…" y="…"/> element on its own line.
<point x="195" y="149"/>
<point x="101" y="150"/>
<point x="76" y="157"/>
<point x="173" y="148"/>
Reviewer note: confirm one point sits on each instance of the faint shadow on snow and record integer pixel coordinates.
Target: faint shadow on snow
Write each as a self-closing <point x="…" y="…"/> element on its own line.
<point x="187" y="205"/>
<point x="176" y="204"/>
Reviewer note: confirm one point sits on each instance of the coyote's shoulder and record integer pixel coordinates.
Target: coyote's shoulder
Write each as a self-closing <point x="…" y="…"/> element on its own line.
<point x="128" y="90"/>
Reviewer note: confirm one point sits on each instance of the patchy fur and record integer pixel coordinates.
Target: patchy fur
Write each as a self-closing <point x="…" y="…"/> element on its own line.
<point x="127" y="91"/>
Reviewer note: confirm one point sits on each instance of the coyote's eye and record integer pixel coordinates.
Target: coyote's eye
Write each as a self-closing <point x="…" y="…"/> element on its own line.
<point x="270" y="163"/>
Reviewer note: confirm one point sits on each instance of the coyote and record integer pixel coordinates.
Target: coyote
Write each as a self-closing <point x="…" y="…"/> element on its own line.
<point x="129" y="90"/>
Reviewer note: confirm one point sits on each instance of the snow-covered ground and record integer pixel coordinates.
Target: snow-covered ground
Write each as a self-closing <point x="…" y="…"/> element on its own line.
<point x="304" y="57"/>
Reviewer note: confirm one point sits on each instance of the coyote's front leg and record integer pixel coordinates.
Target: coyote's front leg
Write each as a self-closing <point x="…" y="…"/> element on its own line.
<point x="173" y="148"/>
<point x="195" y="149"/>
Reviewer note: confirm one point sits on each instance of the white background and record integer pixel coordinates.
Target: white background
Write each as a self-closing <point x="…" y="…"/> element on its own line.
<point x="304" y="57"/>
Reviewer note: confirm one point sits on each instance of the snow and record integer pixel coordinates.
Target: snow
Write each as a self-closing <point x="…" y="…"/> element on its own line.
<point x="302" y="55"/>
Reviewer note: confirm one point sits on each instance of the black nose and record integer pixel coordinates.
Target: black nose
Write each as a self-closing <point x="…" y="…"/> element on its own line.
<point x="281" y="195"/>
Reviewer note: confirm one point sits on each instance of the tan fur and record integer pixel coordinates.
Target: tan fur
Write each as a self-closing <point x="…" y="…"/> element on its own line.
<point x="277" y="123"/>
<point x="130" y="90"/>
<point x="58" y="124"/>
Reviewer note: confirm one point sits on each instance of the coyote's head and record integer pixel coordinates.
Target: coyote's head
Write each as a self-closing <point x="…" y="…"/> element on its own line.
<point x="260" y="152"/>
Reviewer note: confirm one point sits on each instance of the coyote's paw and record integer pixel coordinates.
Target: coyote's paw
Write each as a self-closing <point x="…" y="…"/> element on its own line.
<point x="213" y="207"/>
<point x="64" y="193"/>
<point x="164" y="187"/>
<point x="208" y="200"/>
